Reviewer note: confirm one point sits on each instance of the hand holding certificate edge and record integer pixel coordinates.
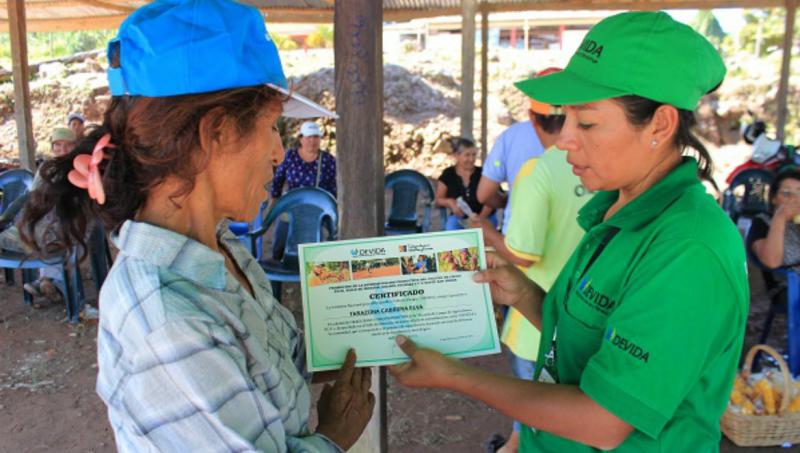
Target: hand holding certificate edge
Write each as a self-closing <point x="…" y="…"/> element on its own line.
<point x="346" y="407"/>
<point x="509" y="286"/>
<point x="426" y="367"/>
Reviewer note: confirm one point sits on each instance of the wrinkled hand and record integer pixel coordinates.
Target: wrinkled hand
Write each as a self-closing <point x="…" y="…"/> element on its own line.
<point x="427" y="368"/>
<point x="507" y="283"/>
<point x="346" y="407"/>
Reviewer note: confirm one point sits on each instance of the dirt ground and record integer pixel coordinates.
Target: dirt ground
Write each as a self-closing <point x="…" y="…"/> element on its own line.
<point x="48" y="402"/>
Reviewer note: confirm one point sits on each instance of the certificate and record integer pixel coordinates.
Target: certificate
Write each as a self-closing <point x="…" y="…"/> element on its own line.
<point x="362" y="293"/>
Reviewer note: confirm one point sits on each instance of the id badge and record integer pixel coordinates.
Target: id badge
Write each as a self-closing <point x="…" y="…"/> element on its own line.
<point x="549" y="373"/>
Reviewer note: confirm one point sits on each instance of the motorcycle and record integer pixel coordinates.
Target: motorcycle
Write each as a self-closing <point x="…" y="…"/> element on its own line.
<point x="768" y="153"/>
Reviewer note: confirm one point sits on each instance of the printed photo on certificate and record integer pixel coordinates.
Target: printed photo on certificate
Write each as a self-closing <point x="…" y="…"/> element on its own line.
<point x="362" y="293"/>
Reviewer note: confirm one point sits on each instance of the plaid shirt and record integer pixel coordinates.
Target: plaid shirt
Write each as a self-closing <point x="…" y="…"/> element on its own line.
<point x="189" y="361"/>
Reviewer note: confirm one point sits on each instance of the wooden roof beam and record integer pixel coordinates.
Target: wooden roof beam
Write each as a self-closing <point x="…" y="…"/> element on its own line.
<point x="630" y="4"/>
<point x="71" y="24"/>
<point x="107" y="5"/>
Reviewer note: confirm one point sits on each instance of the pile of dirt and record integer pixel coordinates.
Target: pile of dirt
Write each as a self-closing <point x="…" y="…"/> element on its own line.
<point x="421" y="100"/>
<point x="57" y="90"/>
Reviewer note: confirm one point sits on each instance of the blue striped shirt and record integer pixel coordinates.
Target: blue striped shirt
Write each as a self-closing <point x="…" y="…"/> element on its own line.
<point x="189" y="361"/>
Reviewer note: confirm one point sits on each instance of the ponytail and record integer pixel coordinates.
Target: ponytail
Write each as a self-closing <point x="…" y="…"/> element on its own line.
<point x="152" y="139"/>
<point x="640" y="111"/>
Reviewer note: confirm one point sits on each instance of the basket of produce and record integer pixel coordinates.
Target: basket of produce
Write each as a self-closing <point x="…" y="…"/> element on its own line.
<point x="764" y="408"/>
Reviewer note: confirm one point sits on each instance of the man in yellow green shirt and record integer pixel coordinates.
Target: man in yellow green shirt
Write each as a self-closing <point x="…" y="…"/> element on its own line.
<point x="540" y="236"/>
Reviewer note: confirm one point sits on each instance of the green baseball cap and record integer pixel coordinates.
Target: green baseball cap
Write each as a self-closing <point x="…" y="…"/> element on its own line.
<point x="62" y="134"/>
<point x="642" y="53"/>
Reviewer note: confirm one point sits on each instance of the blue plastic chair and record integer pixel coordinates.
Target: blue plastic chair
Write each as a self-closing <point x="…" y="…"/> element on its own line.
<point x="406" y="186"/>
<point x="242" y="229"/>
<point x="793" y="322"/>
<point x="14" y="185"/>
<point x="783" y="300"/>
<point x="309" y="210"/>
<point x="755" y="199"/>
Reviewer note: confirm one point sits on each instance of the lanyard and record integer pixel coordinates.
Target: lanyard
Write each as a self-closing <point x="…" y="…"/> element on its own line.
<point x="550" y="358"/>
<point x="612" y="231"/>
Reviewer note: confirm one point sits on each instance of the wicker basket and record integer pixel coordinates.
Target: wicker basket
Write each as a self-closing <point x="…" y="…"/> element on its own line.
<point x="764" y="430"/>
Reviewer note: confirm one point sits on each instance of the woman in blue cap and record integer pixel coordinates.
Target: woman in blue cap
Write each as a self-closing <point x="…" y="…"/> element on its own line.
<point x="642" y="330"/>
<point x="194" y="353"/>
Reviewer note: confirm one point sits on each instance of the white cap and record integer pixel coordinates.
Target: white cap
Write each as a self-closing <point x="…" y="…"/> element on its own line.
<point x="302" y="107"/>
<point x="75" y="116"/>
<point x="310" y="128"/>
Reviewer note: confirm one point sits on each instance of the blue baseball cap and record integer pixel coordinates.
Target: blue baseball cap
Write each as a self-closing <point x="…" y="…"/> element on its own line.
<point x="175" y="47"/>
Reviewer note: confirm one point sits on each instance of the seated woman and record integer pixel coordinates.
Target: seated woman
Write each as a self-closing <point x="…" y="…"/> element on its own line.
<point x="305" y="166"/>
<point x="774" y="239"/>
<point x="194" y="353"/>
<point x="50" y="285"/>
<point x="461" y="181"/>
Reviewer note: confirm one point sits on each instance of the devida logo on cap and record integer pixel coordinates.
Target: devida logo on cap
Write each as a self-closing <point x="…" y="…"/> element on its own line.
<point x="590" y="50"/>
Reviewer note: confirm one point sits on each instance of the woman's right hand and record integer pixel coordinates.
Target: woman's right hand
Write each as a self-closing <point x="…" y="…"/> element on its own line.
<point x="508" y="284"/>
<point x="789" y="209"/>
<point x="346" y="407"/>
<point x="456" y="210"/>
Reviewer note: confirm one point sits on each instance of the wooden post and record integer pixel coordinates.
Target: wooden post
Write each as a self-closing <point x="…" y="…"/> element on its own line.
<point x="358" y="49"/>
<point x="783" y="86"/>
<point x="22" y="95"/>
<point x="468" y="11"/>
<point x="484" y="84"/>
<point x="527" y="34"/>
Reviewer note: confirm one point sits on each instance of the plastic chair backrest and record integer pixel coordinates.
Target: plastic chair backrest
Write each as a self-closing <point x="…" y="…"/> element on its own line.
<point x="309" y="209"/>
<point x="755" y="197"/>
<point x="242" y="229"/>
<point x="13" y="184"/>
<point x="406" y="186"/>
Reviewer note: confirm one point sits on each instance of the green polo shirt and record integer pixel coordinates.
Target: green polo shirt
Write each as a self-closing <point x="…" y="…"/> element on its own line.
<point x="652" y="329"/>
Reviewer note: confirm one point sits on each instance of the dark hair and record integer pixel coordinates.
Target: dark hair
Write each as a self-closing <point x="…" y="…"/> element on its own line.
<point x="154" y="138"/>
<point x="457" y="144"/>
<point x="782" y="176"/>
<point x="640" y="111"/>
<point x="551" y="124"/>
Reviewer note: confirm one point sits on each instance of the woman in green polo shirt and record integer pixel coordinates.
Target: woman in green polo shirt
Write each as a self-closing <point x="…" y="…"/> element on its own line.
<point x="642" y="331"/>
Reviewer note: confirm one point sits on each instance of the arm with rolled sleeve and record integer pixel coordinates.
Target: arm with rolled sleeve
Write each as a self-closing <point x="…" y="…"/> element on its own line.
<point x="680" y="309"/>
<point x="189" y="390"/>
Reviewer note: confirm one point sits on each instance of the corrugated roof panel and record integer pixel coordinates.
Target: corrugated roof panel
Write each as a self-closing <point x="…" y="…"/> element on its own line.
<point x="77" y="14"/>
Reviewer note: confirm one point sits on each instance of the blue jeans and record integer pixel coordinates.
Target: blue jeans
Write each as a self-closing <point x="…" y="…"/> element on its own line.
<point x="522" y="369"/>
<point x="454" y="222"/>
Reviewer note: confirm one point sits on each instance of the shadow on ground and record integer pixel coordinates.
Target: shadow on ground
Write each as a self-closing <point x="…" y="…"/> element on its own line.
<point x="48" y="402"/>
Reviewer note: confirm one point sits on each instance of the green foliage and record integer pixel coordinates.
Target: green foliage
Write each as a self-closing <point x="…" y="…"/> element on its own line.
<point x="322" y="37"/>
<point x="284" y="42"/>
<point x="707" y="25"/>
<point x="46" y="46"/>
<point x="754" y="64"/>
<point x="770" y="22"/>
